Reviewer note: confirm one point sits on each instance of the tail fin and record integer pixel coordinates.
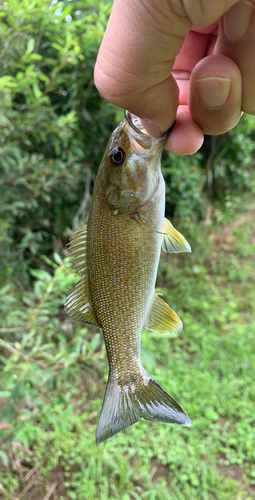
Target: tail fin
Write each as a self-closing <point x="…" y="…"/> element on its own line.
<point x="125" y="405"/>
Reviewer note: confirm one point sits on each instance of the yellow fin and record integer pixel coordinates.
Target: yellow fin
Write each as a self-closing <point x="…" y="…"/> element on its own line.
<point x="173" y="241"/>
<point x="162" y="319"/>
<point x="78" y="304"/>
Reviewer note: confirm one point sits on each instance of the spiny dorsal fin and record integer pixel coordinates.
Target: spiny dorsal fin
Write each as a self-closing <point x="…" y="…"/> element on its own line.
<point x="173" y="241"/>
<point x="162" y="319"/>
<point x="79" y="303"/>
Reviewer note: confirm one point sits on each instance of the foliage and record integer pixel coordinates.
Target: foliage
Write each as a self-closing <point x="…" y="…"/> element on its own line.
<point x="184" y="176"/>
<point x="53" y="123"/>
<point x="221" y="171"/>
<point x="54" y="374"/>
<point x="45" y="333"/>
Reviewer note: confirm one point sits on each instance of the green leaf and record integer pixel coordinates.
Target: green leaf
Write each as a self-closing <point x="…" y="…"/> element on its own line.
<point x="57" y="258"/>
<point x="5" y="394"/>
<point x="30" y="45"/>
<point x="41" y="275"/>
<point x="4" y="458"/>
<point x="37" y="91"/>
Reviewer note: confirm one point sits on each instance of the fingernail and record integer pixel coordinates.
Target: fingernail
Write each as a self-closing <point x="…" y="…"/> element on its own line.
<point x="213" y="91"/>
<point x="151" y="128"/>
<point x="236" y="21"/>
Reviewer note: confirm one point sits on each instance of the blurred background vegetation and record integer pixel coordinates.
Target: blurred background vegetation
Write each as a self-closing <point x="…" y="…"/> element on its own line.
<point x="54" y="127"/>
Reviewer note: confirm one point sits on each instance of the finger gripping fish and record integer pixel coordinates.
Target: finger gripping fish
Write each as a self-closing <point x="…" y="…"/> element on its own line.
<point x="117" y="256"/>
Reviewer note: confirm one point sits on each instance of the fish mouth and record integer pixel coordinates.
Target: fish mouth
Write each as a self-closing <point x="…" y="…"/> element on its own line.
<point x="139" y="133"/>
<point x="135" y="123"/>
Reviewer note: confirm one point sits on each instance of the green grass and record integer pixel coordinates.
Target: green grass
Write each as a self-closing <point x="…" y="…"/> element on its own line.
<point x="51" y="403"/>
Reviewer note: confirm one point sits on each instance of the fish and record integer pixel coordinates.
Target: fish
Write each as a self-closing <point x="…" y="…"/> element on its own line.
<point x="116" y="256"/>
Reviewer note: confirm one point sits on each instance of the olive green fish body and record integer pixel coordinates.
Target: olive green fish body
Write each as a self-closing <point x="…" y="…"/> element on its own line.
<point x="117" y="257"/>
<point x="123" y="254"/>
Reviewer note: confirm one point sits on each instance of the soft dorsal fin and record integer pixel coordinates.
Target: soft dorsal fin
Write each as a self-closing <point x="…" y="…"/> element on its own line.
<point x="77" y="250"/>
<point x="173" y="241"/>
<point x="161" y="318"/>
<point x="78" y="304"/>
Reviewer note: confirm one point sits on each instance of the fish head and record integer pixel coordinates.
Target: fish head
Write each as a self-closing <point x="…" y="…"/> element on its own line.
<point x="131" y="166"/>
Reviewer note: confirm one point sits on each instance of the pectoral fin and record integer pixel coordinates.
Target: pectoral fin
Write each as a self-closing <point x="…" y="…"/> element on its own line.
<point x="79" y="303"/>
<point x="162" y="319"/>
<point x="173" y="241"/>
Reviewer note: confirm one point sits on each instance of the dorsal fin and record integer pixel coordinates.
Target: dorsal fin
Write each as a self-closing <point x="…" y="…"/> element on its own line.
<point x="161" y="318"/>
<point x="77" y="250"/>
<point x="78" y="304"/>
<point x="173" y="241"/>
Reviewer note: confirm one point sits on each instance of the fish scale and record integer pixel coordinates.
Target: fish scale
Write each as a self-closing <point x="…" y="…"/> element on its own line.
<point x="129" y="303"/>
<point x="117" y="257"/>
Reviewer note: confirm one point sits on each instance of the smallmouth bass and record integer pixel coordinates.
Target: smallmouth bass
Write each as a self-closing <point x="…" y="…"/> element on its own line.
<point x="117" y="256"/>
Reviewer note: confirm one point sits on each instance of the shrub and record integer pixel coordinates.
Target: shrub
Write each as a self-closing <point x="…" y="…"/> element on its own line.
<point x="53" y="123"/>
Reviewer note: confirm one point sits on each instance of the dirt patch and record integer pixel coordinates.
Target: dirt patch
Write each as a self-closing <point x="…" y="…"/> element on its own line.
<point x="158" y="470"/>
<point x="36" y="488"/>
<point x="31" y="484"/>
<point x="226" y="237"/>
<point x="246" y="217"/>
<point x="234" y="471"/>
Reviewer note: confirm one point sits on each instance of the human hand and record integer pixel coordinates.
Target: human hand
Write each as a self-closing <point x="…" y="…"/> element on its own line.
<point x="204" y="48"/>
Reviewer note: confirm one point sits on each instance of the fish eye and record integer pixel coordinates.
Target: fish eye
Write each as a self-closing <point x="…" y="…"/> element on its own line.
<point x="117" y="156"/>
